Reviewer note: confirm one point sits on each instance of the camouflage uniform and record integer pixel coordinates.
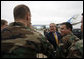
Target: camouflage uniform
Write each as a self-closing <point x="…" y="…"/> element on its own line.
<point x="18" y="41"/>
<point x="67" y="41"/>
<point x="76" y="50"/>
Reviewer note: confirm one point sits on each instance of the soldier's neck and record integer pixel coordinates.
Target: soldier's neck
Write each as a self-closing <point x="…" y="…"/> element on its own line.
<point x="21" y="21"/>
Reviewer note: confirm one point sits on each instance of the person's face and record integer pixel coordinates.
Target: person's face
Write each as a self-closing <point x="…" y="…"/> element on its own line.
<point x="5" y="25"/>
<point x="64" y="30"/>
<point x="82" y="25"/>
<point x="52" y="27"/>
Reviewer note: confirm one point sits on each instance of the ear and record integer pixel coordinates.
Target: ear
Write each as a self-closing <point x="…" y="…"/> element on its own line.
<point x="27" y="17"/>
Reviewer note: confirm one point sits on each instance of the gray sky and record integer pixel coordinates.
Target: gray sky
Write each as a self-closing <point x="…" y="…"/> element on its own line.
<point x="44" y="12"/>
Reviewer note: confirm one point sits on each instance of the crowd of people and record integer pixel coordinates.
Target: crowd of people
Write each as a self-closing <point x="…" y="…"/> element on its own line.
<point x="20" y="40"/>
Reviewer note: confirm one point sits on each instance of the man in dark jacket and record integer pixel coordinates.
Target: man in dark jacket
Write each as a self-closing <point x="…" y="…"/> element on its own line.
<point x="53" y="36"/>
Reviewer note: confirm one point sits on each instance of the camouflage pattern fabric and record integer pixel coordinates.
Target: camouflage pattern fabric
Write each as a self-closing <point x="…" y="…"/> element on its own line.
<point x="21" y="42"/>
<point x="67" y="42"/>
<point x="76" y="50"/>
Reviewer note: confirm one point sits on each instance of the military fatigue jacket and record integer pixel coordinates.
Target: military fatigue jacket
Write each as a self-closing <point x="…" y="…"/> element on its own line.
<point x="18" y="41"/>
<point x="67" y="41"/>
<point x="76" y="50"/>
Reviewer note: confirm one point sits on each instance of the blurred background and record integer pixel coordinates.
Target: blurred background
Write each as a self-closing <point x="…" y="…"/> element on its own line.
<point x="46" y="12"/>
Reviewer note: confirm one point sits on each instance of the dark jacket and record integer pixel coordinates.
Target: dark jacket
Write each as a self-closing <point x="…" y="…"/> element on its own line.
<point x="51" y="38"/>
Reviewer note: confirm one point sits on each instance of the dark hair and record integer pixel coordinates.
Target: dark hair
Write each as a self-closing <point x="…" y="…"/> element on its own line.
<point x="3" y="22"/>
<point x="21" y="11"/>
<point x="68" y="25"/>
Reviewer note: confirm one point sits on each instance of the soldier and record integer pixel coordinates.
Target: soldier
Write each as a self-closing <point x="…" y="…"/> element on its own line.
<point x="76" y="50"/>
<point x="4" y="24"/>
<point x="20" y="41"/>
<point x="68" y="37"/>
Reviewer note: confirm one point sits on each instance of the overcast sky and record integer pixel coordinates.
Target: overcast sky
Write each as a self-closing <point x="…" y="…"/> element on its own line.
<point x="44" y="12"/>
